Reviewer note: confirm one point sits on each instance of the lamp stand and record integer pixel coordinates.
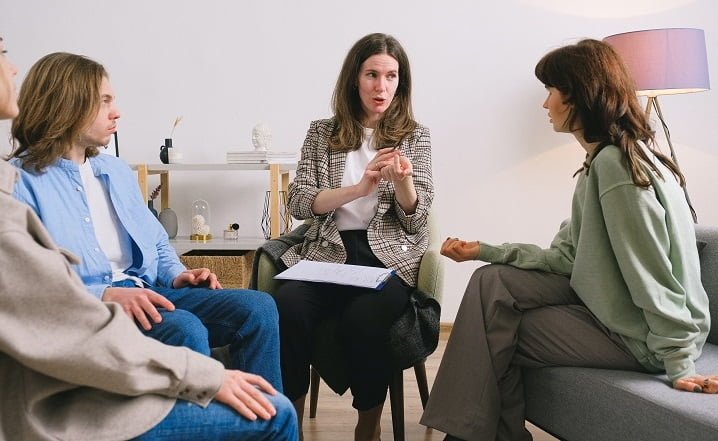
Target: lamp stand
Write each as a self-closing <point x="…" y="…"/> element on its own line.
<point x="653" y="103"/>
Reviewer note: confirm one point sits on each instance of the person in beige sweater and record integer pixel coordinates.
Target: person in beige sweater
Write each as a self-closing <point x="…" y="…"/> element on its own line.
<point x="95" y="376"/>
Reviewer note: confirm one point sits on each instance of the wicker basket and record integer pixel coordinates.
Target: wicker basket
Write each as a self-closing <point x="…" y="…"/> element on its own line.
<point x="233" y="268"/>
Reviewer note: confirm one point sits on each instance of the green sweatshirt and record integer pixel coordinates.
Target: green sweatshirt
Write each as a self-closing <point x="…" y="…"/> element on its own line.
<point x="632" y="259"/>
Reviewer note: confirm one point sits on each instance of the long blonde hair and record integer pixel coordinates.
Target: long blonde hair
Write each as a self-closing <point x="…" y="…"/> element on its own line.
<point x="58" y="100"/>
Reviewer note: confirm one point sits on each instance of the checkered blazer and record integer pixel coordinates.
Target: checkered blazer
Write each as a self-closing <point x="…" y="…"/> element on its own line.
<point x="397" y="239"/>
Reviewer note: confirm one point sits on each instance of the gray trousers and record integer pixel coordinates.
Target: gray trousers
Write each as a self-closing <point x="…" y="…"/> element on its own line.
<point x="511" y="318"/>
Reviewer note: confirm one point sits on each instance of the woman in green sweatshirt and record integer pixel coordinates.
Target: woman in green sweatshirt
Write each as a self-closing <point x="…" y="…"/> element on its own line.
<point x="619" y="287"/>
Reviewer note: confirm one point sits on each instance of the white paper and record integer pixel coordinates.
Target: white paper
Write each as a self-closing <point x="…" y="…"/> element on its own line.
<point x="339" y="273"/>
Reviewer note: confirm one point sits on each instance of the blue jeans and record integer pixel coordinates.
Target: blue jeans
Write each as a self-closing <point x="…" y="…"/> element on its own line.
<point x="203" y="318"/>
<point x="217" y="422"/>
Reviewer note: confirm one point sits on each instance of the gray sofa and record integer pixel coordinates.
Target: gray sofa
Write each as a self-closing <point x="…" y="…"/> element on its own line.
<point x="605" y="405"/>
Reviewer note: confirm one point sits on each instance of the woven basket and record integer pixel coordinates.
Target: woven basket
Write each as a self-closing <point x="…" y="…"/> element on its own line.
<point x="233" y="268"/>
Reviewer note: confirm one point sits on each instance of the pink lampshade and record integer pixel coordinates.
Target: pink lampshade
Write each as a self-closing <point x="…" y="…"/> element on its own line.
<point x="664" y="61"/>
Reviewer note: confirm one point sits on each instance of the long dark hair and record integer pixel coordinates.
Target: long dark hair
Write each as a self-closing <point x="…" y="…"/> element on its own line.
<point x="397" y="121"/>
<point x="58" y="100"/>
<point x="596" y="83"/>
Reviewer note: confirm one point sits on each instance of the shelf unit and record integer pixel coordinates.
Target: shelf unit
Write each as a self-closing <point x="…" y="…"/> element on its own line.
<point x="278" y="181"/>
<point x="183" y="244"/>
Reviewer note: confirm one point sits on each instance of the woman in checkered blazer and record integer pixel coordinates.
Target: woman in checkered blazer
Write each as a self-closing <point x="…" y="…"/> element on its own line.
<point x="365" y="180"/>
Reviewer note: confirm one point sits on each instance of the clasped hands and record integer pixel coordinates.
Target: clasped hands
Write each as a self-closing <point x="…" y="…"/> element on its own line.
<point x="388" y="164"/>
<point x="460" y="250"/>
<point x="141" y="303"/>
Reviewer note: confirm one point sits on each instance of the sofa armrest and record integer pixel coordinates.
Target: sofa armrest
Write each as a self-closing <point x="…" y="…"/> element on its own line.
<point x="707" y="237"/>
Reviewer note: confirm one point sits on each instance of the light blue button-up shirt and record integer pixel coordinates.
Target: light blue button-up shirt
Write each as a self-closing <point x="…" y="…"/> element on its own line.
<point x="58" y="197"/>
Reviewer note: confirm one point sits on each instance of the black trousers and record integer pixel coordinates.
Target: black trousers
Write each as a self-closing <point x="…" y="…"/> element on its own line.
<point x="365" y="316"/>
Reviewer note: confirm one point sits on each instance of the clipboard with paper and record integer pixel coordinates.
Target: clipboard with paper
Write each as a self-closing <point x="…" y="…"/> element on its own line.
<point x="337" y="273"/>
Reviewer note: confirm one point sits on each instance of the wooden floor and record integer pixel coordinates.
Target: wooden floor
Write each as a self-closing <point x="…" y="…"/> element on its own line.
<point x="336" y="418"/>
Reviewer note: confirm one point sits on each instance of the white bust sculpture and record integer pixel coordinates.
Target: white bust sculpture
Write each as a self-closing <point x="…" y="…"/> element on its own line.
<point x="261" y="137"/>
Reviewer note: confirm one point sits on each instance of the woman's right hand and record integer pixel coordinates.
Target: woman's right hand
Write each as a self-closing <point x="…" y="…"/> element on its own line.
<point x="460" y="250"/>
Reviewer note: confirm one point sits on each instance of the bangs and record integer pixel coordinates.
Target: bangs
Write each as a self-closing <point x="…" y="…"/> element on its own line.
<point x="547" y="70"/>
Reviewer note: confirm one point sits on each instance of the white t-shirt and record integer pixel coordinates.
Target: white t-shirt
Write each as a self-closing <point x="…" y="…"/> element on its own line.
<point x="357" y="214"/>
<point x="114" y="240"/>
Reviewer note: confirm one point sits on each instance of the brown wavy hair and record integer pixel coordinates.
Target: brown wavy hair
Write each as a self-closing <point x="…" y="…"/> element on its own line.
<point x="603" y="103"/>
<point x="398" y="119"/>
<point x="58" y="101"/>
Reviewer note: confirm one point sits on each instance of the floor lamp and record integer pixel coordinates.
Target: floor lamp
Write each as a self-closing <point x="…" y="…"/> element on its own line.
<point x="665" y="62"/>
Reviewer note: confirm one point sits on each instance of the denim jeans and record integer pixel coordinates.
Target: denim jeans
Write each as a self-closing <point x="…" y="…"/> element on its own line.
<point x="217" y="422"/>
<point x="203" y="318"/>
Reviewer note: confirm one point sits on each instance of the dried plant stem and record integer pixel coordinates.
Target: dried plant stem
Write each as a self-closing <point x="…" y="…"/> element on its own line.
<point x="177" y="121"/>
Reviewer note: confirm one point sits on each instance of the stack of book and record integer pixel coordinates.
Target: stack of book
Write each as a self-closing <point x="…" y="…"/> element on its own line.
<point x="282" y="157"/>
<point x="248" y="157"/>
<point x="261" y="157"/>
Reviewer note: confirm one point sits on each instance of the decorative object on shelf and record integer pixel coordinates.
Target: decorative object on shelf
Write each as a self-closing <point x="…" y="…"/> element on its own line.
<point x="151" y="207"/>
<point x="151" y="201"/>
<point x="168" y="156"/>
<point x="665" y="62"/>
<point x="175" y="156"/>
<point x="262" y="157"/>
<point x="285" y="219"/>
<point x="168" y="219"/>
<point x="261" y="137"/>
<point x="200" y="221"/>
<point x="232" y="232"/>
<point x="164" y="151"/>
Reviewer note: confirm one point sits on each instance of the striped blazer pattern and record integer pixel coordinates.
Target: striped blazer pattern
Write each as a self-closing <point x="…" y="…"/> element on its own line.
<point x="398" y="240"/>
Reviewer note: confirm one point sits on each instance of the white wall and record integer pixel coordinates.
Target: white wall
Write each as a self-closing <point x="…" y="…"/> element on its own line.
<point x="501" y="173"/>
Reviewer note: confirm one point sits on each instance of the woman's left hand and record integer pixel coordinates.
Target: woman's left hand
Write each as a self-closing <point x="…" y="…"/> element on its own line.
<point x="698" y="383"/>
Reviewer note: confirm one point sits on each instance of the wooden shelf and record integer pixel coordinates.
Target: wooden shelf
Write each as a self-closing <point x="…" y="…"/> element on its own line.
<point x="278" y="182"/>
<point x="154" y="169"/>
<point x="183" y="244"/>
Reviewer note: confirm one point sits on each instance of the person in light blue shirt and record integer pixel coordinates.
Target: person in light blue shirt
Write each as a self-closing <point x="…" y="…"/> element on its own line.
<point x="91" y="205"/>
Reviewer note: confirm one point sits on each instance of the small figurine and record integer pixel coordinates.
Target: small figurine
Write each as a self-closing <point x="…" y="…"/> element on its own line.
<point x="200" y="221"/>
<point x="261" y="137"/>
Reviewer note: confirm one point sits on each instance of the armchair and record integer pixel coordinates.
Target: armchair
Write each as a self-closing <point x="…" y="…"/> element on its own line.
<point x="326" y="363"/>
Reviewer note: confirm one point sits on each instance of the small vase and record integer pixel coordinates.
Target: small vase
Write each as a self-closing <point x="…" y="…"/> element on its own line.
<point x="151" y="206"/>
<point x="164" y="151"/>
<point x="168" y="219"/>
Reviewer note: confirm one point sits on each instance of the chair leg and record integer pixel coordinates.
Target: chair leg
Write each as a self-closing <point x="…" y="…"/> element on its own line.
<point x="420" y="372"/>
<point x="396" y="398"/>
<point x="314" y="392"/>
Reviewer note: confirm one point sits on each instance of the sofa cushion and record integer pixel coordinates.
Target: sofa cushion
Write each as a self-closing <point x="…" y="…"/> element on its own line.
<point x="605" y="405"/>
